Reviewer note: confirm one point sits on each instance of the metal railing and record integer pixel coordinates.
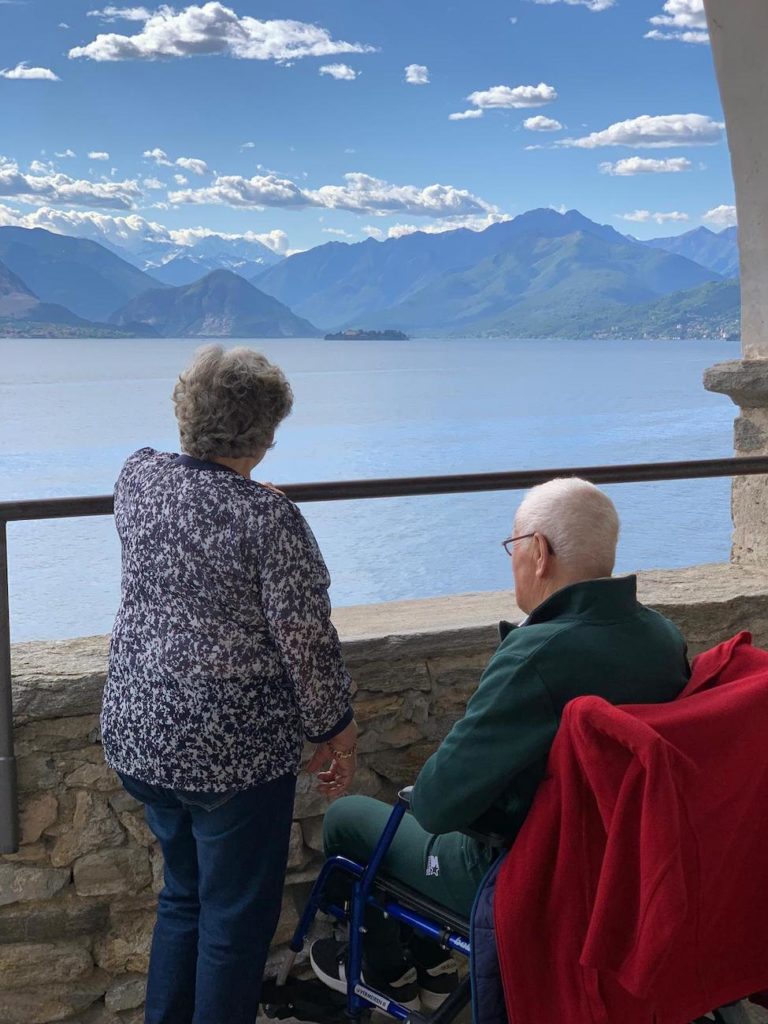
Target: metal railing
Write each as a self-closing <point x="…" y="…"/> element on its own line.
<point x="66" y="508"/>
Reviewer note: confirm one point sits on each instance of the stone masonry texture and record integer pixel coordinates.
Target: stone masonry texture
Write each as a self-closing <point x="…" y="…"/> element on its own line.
<point x="77" y="902"/>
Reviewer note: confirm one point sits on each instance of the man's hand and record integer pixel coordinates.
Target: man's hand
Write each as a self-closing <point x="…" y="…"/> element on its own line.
<point x="334" y="763"/>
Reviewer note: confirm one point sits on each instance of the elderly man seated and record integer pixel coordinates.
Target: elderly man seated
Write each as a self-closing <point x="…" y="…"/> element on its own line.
<point x="585" y="633"/>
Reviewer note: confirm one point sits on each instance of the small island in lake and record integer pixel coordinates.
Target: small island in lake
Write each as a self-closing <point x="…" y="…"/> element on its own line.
<point x="360" y="335"/>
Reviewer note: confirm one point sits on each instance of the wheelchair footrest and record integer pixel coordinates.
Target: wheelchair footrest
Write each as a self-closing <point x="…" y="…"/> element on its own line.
<point x="307" y="1001"/>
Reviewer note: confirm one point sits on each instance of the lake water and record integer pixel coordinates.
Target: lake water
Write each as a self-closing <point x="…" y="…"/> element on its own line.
<point x="70" y="411"/>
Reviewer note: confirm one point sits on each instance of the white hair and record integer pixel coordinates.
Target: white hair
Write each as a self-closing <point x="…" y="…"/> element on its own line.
<point x="579" y="521"/>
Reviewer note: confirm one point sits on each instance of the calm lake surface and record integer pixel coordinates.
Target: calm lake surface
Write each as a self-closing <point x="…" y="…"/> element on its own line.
<point x="70" y="412"/>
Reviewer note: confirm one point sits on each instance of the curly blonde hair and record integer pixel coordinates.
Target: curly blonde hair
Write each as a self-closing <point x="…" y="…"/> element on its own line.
<point x="228" y="403"/>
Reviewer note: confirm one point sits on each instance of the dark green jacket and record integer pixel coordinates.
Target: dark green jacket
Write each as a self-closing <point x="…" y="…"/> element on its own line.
<point x="589" y="638"/>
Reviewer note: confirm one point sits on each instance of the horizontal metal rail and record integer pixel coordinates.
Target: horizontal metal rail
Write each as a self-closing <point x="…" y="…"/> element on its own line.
<point x="344" y="490"/>
<point x="411" y="486"/>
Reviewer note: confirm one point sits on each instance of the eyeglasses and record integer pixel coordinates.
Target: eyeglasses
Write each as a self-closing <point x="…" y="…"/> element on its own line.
<point x="508" y="544"/>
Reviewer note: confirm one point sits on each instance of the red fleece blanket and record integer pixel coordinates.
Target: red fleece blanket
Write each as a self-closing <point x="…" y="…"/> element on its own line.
<point x="637" y="890"/>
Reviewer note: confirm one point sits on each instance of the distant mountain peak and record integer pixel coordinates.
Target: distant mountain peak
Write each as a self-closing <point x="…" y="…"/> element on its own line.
<point x="220" y="305"/>
<point x="716" y="250"/>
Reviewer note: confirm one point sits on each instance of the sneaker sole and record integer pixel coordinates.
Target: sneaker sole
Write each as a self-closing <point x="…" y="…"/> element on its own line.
<point x="340" y="985"/>
<point x="432" y="1000"/>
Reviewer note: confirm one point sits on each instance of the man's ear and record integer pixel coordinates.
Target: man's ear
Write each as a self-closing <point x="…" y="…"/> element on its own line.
<point x="542" y="554"/>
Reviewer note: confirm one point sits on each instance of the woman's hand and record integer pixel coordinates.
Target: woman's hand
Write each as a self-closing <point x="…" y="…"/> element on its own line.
<point x="271" y="487"/>
<point x="339" y="754"/>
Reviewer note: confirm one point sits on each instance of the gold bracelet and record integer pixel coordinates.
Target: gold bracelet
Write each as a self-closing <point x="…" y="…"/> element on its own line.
<point x="344" y="755"/>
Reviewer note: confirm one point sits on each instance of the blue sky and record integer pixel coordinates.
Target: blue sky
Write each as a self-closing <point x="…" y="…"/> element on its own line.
<point x="293" y="121"/>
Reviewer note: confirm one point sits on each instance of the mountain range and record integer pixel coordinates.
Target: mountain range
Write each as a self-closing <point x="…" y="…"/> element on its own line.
<point x="183" y="264"/>
<point x="542" y="274"/>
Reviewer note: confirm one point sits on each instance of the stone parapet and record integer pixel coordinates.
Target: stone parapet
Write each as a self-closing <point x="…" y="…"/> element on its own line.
<point x="745" y="381"/>
<point x="77" y="901"/>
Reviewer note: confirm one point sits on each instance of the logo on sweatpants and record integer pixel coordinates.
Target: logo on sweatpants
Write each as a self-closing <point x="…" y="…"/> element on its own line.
<point x="433" y="866"/>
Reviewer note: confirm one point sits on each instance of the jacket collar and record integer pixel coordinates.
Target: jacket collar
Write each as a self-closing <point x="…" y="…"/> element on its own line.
<point x="192" y="463"/>
<point x="602" y="600"/>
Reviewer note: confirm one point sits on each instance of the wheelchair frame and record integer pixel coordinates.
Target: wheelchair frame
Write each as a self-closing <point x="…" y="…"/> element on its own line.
<point x="394" y="900"/>
<point x="398" y="901"/>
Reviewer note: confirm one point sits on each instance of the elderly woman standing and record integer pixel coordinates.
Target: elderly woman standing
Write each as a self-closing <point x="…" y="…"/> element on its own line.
<point x="223" y="660"/>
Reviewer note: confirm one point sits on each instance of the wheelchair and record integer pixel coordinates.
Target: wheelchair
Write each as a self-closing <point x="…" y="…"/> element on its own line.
<point x="387" y="896"/>
<point x="285" y="997"/>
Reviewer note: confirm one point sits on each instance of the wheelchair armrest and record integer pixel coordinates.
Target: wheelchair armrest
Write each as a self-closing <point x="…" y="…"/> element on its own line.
<point x="491" y="839"/>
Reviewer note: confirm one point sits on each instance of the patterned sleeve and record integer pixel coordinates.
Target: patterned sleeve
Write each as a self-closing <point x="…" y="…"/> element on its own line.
<point x="294" y="582"/>
<point x="131" y="463"/>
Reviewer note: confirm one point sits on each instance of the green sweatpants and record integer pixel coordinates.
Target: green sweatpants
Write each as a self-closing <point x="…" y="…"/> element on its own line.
<point x="447" y="869"/>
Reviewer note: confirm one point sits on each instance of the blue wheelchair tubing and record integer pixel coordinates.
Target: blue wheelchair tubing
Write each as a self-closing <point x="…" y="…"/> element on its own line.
<point x="359" y="996"/>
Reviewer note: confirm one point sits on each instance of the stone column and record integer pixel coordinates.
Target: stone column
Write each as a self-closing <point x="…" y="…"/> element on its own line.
<point x="739" y="30"/>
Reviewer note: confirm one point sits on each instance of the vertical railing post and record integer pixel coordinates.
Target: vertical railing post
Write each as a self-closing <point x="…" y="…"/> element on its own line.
<point x="9" y="805"/>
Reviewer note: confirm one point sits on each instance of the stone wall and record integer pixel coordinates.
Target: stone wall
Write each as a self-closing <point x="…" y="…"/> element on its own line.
<point x="77" y="902"/>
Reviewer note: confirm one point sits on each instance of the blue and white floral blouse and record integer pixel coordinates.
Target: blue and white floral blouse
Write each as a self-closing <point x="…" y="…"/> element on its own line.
<point x="223" y="656"/>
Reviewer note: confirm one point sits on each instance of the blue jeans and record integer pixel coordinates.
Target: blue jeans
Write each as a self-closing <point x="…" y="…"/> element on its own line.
<point x="225" y="860"/>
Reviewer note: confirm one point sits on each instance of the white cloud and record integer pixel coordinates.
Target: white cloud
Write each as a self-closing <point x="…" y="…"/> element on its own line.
<point x="98" y="154"/>
<point x="417" y="74"/>
<point x="721" y="216"/>
<point x="341" y="72"/>
<point x="640" y="165"/>
<point x="465" y="115"/>
<point x="682" y="14"/>
<point x="337" y="231"/>
<point x="235" y="190"/>
<point x="644" y="216"/>
<point x="66" y="155"/>
<point x="248" y="145"/>
<point x="437" y="227"/>
<point x="683" y="21"/>
<point x="23" y="71"/>
<point x="678" y="37"/>
<point x="212" y="28"/>
<point x="661" y="132"/>
<point x="153" y="184"/>
<point x="360" y="193"/>
<point x="276" y="240"/>
<point x="592" y="5"/>
<point x="62" y="189"/>
<point x="122" y="14"/>
<point x="180" y="179"/>
<point x="513" y="21"/>
<point x="506" y="97"/>
<point x="188" y="163"/>
<point x="539" y="123"/>
<point x="38" y="167"/>
<point x="191" y="163"/>
<point x="159" y="156"/>
<point x="132" y="232"/>
<point x="63" y="24"/>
